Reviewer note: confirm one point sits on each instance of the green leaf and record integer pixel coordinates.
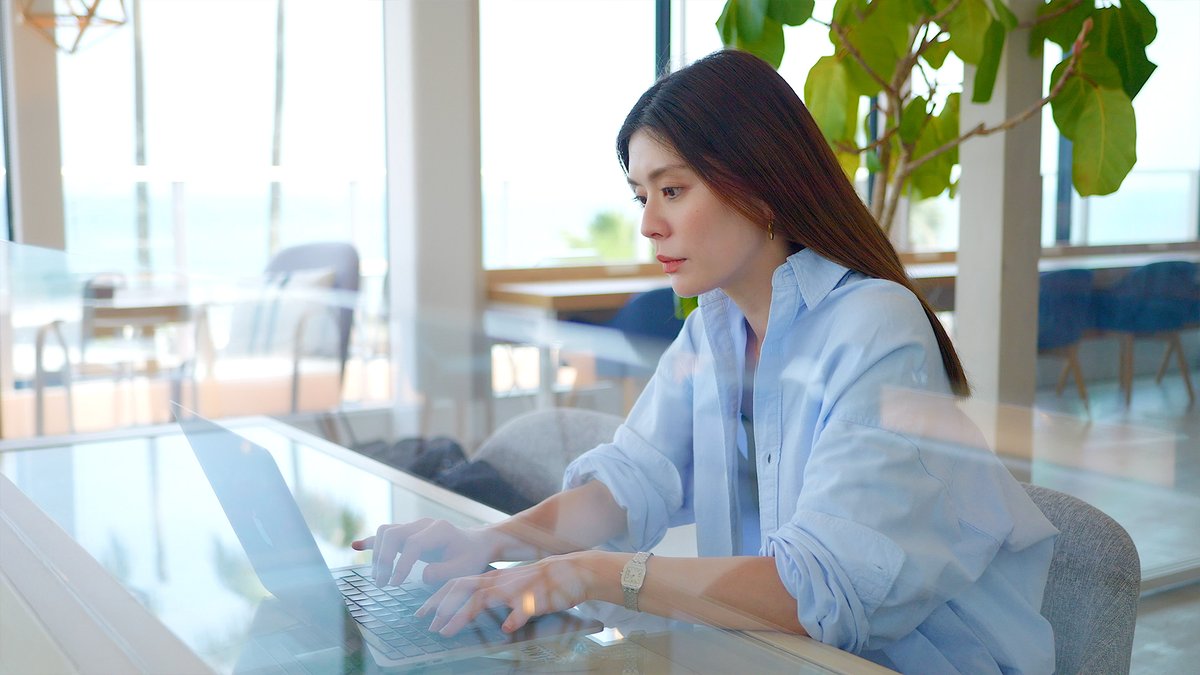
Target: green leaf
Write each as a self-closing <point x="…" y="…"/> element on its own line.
<point x="1145" y="20"/>
<point x="845" y="12"/>
<point x="790" y="12"/>
<point x="881" y="38"/>
<point x="849" y="162"/>
<point x="935" y="54"/>
<point x="727" y="24"/>
<point x="1125" y="47"/>
<point x="912" y="119"/>
<point x="1004" y="15"/>
<point x="933" y="177"/>
<point x="769" y="46"/>
<point x="685" y="306"/>
<point x="1105" y="145"/>
<point x="989" y="64"/>
<point x="750" y="15"/>
<point x="1063" y="28"/>
<point x="1096" y="69"/>
<point x="923" y="7"/>
<point x="1095" y="113"/>
<point x="892" y="18"/>
<point x="968" y="24"/>
<point x="948" y="123"/>
<point x="826" y="92"/>
<point x="873" y="163"/>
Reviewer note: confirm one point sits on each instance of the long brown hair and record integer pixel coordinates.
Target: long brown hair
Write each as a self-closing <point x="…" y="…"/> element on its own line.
<point x="745" y="132"/>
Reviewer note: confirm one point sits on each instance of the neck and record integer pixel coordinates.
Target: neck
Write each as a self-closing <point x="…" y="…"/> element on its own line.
<point x="753" y="298"/>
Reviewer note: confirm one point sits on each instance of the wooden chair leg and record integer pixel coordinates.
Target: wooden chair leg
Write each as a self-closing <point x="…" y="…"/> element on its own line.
<point x="1127" y="368"/>
<point x="1183" y="366"/>
<point x="1073" y="365"/>
<point x="1062" y="377"/>
<point x="1162" y="368"/>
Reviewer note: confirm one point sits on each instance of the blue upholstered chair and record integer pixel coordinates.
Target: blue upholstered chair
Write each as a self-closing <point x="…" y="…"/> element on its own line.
<point x="1064" y="315"/>
<point x="649" y="323"/>
<point x="1157" y="301"/>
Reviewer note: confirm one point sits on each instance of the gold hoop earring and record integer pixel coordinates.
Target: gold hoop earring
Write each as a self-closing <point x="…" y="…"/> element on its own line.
<point x="771" y="231"/>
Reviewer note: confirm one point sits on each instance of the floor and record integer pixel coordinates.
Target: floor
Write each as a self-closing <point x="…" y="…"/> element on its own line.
<point x="1159" y="517"/>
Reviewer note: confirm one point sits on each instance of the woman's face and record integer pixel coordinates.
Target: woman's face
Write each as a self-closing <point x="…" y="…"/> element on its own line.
<point x="700" y="241"/>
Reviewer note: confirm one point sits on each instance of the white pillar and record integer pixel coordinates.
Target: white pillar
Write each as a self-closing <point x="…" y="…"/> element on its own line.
<point x="431" y="52"/>
<point x="1000" y="194"/>
<point x="34" y="152"/>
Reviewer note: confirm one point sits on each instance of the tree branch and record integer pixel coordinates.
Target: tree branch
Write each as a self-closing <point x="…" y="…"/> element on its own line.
<point x="937" y="18"/>
<point x="840" y="31"/>
<point x="926" y="44"/>
<point x="850" y="147"/>
<point x="984" y="130"/>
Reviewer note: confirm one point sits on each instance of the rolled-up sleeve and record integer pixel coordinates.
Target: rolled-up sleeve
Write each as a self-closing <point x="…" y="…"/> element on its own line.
<point x="648" y="466"/>
<point x="640" y="480"/>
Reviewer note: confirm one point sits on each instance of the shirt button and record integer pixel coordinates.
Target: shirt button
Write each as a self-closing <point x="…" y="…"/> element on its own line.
<point x="768" y="459"/>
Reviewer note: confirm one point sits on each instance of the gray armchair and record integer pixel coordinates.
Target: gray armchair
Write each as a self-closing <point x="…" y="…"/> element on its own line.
<point x="1092" y="593"/>
<point x="532" y="451"/>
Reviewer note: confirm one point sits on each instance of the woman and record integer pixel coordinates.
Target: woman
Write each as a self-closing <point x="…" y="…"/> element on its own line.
<point x="764" y="424"/>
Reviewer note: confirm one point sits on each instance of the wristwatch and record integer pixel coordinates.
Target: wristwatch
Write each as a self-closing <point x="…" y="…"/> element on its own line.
<point x="632" y="576"/>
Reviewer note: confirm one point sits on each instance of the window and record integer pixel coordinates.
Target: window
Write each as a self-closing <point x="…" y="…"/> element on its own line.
<point x="557" y="80"/>
<point x="209" y="81"/>
<point x="1158" y="201"/>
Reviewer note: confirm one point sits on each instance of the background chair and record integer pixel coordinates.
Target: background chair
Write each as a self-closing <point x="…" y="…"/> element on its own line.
<point x="532" y="451"/>
<point x="1092" y="593"/>
<point x="649" y="323"/>
<point x="304" y="309"/>
<point x="1064" y="314"/>
<point x="1155" y="301"/>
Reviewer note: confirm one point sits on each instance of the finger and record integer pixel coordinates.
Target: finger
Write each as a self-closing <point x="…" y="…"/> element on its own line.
<point x="527" y="604"/>
<point x="520" y="614"/>
<point x="479" y="601"/>
<point x="365" y="544"/>
<point x="457" y="566"/>
<point x="388" y="541"/>
<point x="435" y="537"/>
<point x="457" y="594"/>
<point x="432" y="602"/>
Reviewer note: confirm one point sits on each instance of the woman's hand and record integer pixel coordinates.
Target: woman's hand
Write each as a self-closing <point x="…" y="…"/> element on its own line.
<point x="451" y="551"/>
<point x="550" y="585"/>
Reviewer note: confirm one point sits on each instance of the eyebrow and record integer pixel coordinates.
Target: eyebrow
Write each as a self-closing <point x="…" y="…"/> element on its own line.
<point x="656" y="173"/>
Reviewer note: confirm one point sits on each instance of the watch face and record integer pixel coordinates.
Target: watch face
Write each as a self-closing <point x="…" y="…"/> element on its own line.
<point x="632" y="576"/>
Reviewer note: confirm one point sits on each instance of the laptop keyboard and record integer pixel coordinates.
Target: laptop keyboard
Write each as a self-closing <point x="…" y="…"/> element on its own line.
<point x="388" y="613"/>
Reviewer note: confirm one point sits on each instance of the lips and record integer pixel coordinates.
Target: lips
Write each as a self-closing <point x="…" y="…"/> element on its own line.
<point x="670" y="265"/>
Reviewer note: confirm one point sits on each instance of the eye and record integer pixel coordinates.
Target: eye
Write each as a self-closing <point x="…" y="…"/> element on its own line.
<point x="640" y="199"/>
<point x="671" y="192"/>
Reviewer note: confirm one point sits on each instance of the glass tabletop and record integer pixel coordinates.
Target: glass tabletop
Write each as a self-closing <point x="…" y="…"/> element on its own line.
<point x="142" y="507"/>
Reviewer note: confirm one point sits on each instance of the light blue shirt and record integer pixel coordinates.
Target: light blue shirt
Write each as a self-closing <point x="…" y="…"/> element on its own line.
<point x="923" y="555"/>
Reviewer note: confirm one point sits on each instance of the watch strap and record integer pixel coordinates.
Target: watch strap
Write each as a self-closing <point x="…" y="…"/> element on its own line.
<point x="632" y="577"/>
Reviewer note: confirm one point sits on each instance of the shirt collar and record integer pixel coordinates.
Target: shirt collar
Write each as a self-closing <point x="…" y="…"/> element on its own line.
<point x="814" y="275"/>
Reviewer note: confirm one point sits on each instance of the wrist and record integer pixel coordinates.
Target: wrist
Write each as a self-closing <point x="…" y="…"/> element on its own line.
<point x="603" y="570"/>
<point x="496" y="543"/>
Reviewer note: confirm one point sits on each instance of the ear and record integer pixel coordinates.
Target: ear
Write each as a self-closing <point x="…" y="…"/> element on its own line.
<point x="763" y="215"/>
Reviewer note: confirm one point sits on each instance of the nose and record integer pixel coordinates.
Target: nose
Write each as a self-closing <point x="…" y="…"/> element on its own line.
<point x="654" y="226"/>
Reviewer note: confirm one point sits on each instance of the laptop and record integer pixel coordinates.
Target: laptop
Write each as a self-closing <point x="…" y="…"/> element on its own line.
<point x="343" y="608"/>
